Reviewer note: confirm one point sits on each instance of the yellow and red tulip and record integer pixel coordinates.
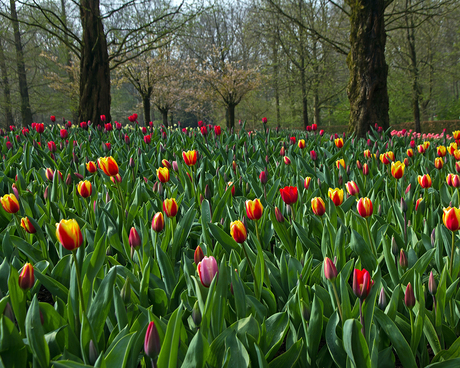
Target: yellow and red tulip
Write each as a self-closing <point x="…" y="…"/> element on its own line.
<point x="336" y="195"/>
<point x="116" y="179"/>
<point x="254" y="209"/>
<point x="456" y="134"/>
<point x="230" y="185"/>
<point x="170" y="207"/>
<point x="424" y="181"/>
<point x="365" y="207"/>
<point x="451" y="218"/>
<point x="238" y="231"/>
<point x="426" y="144"/>
<point x="417" y="203"/>
<point x="189" y="157"/>
<point x="439" y="163"/>
<point x="384" y="159"/>
<point x="108" y="165"/>
<point x="410" y="152"/>
<point x="367" y="154"/>
<point x="452" y="147"/>
<point x="307" y="182"/>
<point x="163" y="174"/>
<point x="69" y="234"/>
<point x="166" y="163"/>
<point x="26" y="277"/>
<point x="397" y="169"/>
<point x="338" y="142"/>
<point x="456" y="155"/>
<point x="85" y="189"/>
<point x="352" y="188"/>
<point x="91" y="167"/>
<point x="10" y="203"/>
<point x="301" y="143"/>
<point x="421" y="149"/>
<point x="318" y="207"/>
<point x="390" y="155"/>
<point x="339" y="163"/>
<point x="158" y="222"/>
<point x="27" y="225"/>
<point x="441" y="150"/>
<point x="287" y="160"/>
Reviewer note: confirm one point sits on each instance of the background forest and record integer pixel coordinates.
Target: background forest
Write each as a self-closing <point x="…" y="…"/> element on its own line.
<point x="169" y="62"/>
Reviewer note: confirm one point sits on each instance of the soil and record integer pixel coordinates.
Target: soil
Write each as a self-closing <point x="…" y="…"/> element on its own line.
<point x="44" y="295"/>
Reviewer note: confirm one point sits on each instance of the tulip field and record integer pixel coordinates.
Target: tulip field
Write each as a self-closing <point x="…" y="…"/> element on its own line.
<point x="128" y="246"/>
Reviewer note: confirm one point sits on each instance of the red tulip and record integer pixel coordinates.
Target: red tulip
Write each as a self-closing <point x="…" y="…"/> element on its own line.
<point x="362" y="283"/>
<point x="134" y="239"/>
<point x="63" y="133"/>
<point x="409" y="297"/>
<point x="53" y="118"/>
<point x="152" y="341"/>
<point x="217" y="130"/>
<point x="198" y="255"/>
<point x="289" y="195"/>
<point x="330" y="271"/>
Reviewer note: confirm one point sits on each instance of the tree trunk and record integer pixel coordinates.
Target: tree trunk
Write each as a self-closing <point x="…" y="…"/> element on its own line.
<point x="164" y="113"/>
<point x="413" y="68"/>
<point x="146" y="106"/>
<point x="303" y="83"/>
<point x="26" y="112"/>
<point x="6" y="90"/>
<point x="171" y="117"/>
<point x="94" y="66"/>
<point x="316" y="81"/>
<point x="275" y="83"/>
<point x="231" y="115"/>
<point x="367" y="87"/>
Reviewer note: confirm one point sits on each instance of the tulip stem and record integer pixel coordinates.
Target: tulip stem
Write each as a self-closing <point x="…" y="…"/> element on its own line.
<point x="396" y="188"/>
<point x="452" y="254"/>
<point x="257" y="232"/>
<point x="122" y="202"/>
<point x="251" y="269"/>
<point x="370" y="238"/>
<point x="80" y="290"/>
<point x="337" y="300"/>
<point x="361" y="318"/>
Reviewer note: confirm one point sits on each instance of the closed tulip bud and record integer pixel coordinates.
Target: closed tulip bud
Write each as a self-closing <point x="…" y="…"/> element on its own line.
<point x="403" y="205"/>
<point x="26" y="277"/>
<point x="69" y="234"/>
<point x="432" y="286"/>
<point x="152" y="341"/>
<point x="379" y="210"/>
<point x="198" y="255"/>
<point x="160" y="188"/>
<point x="15" y="191"/>
<point x="282" y="151"/>
<point x="330" y="271"/>
<point x="196" y="314"/>
<point x="394" y="246"/>
<point x="359" y="165"/>
<point x="207" y="192"/>
<point x="175" y="167"/>
<point x="132" y="164"/>
<point x="287" y="160"/>
<point x="307" y="182"/>
<point x="409" y="297"/>
<point x="263" y="177"/>
<point x="433" y="238"/>
<point x="352" y="188"/>
<point x="382" y="303"/>
<point x="27" y="225"/>
<point x="92" y="353"/>
<point x="407" y="189"/>
<point x="45" y="194"/>
<point x="306" y="312"/>
<point x="158" y="222"/>
<point x="278" y="215"/>
<point x="439" y="163"/>
<point x="366" y="169"/>
<point x="126" y="291"/>
<point x="403" y="259"/>
<point x="134" y="238"/>
<point x="238" y="231"/>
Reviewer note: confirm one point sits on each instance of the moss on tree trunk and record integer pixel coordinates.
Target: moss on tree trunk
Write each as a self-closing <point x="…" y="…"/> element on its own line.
<point x="367" y="87"/>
